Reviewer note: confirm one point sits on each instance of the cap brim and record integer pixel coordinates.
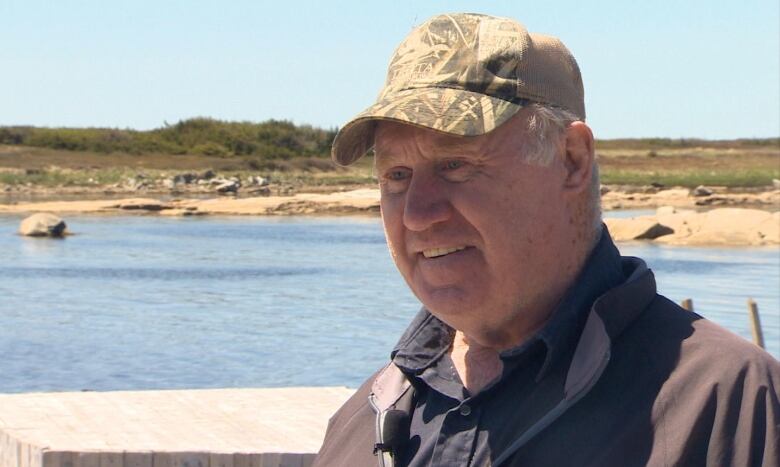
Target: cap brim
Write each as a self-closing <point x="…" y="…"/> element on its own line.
<point x="453" y="111"/>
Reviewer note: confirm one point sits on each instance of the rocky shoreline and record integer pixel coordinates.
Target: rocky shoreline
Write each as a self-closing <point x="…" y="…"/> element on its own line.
<point x="355" y="201"/>
<point x="716" y="227"/>
<point x="684" y="217"/>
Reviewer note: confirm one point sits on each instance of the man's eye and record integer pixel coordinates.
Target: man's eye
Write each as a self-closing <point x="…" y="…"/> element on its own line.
<point x="453" y="165"/>
<point x="397" y="174"/>
<point x="456" y="170"/>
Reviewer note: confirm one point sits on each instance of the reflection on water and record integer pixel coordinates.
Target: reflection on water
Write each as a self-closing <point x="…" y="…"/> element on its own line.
<point x="150" y="302"/>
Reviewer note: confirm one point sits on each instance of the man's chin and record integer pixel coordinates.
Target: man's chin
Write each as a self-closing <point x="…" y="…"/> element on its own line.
<point x="448" y="302"/>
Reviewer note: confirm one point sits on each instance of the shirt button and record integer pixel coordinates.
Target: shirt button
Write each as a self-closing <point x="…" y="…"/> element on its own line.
<point x="465" y="410"/>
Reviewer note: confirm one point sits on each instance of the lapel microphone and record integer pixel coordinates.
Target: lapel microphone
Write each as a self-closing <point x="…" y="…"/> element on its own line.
<point x="395" y="432"/>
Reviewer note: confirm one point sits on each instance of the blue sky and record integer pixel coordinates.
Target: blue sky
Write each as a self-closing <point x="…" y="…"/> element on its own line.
<point x="708" y="69"/>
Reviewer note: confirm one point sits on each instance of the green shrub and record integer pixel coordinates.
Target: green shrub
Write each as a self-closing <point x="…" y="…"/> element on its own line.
<point x="274" y="139"/>
<point x="210" y="149"/>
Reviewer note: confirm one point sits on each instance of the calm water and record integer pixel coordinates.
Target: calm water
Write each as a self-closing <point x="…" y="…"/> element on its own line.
<point x="149" y="302"/>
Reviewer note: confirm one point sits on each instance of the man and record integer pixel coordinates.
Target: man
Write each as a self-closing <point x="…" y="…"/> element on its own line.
<point x="538" y="345"/>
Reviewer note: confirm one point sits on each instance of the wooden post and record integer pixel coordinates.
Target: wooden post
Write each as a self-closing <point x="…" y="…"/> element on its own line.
<point x="755" y="323"/>
<point x="687" y="304"/>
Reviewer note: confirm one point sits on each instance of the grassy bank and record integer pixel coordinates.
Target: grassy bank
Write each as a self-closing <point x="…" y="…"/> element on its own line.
<point x="298" y="155"/>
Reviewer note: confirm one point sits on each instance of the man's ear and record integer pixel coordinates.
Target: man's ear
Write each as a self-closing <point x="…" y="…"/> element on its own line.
<point x="579" y="156"/>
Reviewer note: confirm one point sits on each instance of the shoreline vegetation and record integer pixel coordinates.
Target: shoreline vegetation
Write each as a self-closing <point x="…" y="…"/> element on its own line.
<point x="299" y="155"/>
<point x="206" y="166"/>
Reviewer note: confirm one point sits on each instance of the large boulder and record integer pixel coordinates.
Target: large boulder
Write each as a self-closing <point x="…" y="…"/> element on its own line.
<point x="701" y="190"/>
<point x="728" y="227"/>
<point x="42" y="225"/>
<point x="228" y="187"/>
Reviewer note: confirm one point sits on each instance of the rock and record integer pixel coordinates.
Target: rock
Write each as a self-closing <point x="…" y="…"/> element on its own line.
<point x="604" y="189"/>
<point x="141" y="204"/>
<point x="262" y="191"/>
<point x="712" y="201"/>
<point x="701" y="190"/>
<point x="228" y="186"/>
<point x="729" y="226"/>
<point x="185" y="178"/>
<point x="286" y="190"/>
<point x="674" y="193"/>
<point x="257" y="180"/>
<point x="207" y="175"/>
<point x="776" y="184"/>
<point x="169" y="183"/>
<point x="657" y="185"/>
<point x="639" y="228"/>
<point x="43" y="225"/>
<point x="139" y="185"/>
<point x="182" y="212"/>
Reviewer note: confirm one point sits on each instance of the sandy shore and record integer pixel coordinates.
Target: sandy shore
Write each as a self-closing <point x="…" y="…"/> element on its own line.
<point x="355" y="201"/>
<point x="675" y="222"/>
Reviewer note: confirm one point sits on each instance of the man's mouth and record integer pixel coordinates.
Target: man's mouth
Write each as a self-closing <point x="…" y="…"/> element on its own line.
<point x="436" y="252"/>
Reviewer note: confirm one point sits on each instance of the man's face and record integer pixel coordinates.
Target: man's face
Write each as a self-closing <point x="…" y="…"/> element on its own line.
<point x="474" y="230"/>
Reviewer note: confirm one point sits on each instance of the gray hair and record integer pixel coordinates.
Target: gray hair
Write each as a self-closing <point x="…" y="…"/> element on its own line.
<point x="546" y="127"/>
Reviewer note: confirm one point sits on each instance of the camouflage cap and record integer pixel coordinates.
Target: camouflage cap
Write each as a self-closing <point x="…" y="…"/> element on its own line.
<point x="466" y="74"/>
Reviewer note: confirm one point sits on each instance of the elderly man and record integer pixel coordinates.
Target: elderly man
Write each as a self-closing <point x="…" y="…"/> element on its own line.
<point x="538" y="345"/>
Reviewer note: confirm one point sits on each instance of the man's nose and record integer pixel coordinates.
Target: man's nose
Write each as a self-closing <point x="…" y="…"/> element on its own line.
<point x="426" y="202"/>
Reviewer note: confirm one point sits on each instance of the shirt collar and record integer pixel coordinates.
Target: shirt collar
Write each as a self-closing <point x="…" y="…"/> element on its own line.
<point x="602" y="271"/>
<point x="427" y="338"/>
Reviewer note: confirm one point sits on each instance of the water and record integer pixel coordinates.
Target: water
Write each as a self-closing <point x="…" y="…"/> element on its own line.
<point x="152" y="302"/>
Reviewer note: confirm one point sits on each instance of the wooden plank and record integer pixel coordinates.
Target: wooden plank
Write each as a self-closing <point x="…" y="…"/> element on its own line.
<point x="215" y="428"/>
<point x="755" y="323"/>
<point x="24" y="454"/>
<point x="68" y="458"/>
<point x="242" y="459"/>
<point x="4" y="447"/>
<point x="138" y="459"/>
<point x="51" y="458"/>
<point x="190" y="459"/>
<point x="36" y="456"/>
<point x="88" y="459"/>
<point x="290" y="460"/>
<point x="270" y="459"/>
<point x="111" y="459"/>
<point x="220" y="460"/>
<point x="162" y="459"/>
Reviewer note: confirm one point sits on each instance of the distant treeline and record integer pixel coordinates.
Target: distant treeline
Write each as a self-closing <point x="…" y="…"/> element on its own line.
<point x="681" y="143"/>
<point x="273" y="139"/>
